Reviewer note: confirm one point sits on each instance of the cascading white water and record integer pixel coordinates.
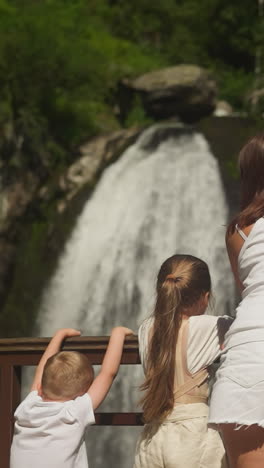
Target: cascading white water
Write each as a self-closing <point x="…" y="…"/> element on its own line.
<point x="164" y="195"/>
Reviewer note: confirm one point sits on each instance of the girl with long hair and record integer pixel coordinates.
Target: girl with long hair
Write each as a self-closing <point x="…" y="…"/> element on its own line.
<point x="177" y="345"/>
<point x="237" y="405"/>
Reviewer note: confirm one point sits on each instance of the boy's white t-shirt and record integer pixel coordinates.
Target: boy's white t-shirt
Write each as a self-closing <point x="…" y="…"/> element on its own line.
<point x="50" y="434"/>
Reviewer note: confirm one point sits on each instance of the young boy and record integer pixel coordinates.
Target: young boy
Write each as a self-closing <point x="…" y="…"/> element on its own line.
<point x="50" y="423"/>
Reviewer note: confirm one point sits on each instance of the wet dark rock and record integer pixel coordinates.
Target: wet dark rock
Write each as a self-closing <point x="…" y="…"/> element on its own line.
<point x="185" y="91"/>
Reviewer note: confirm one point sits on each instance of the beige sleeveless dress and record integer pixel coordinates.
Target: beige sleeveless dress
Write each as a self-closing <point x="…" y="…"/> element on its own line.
<point x="183" y="440"/>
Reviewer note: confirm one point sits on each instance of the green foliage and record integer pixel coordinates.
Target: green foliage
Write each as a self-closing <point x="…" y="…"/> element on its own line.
<point x="15" y="320"/>
<point x="61" y="60"/>
<point x="6" y="105"/>
<point x="137" y="115"/>
<point x="232" y="169"/>
<point x="60" y="64"/>
<point x="187" y="31"/>
<point x="234" y="85"/>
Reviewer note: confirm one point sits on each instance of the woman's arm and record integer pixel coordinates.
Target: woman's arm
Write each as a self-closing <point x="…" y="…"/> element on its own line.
<point x="110" y="365"/>
<point x="234" y="243"/>
<point x="52" y="348"/>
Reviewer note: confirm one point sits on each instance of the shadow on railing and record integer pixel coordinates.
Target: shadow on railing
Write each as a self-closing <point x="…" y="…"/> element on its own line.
<point x="18" y="352"/>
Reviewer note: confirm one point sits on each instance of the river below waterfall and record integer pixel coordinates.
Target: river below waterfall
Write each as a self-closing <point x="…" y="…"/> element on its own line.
<point x="163" y="196"/>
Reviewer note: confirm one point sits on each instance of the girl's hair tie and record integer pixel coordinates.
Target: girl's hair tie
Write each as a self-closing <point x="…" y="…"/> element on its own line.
<point x="173" y="278"/>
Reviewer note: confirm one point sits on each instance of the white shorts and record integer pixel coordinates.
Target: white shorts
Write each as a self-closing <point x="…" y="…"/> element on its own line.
<point x="237" y="395"/>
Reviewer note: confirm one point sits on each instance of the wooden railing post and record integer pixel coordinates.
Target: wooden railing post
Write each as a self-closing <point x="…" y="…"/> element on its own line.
<point x="10" y="388"/>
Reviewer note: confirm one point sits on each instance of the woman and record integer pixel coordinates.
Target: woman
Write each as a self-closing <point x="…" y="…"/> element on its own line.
<point x="237" y="403"/>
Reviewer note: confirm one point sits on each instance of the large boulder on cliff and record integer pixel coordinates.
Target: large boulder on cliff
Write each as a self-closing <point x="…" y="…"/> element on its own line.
<point x="185" y="91"/>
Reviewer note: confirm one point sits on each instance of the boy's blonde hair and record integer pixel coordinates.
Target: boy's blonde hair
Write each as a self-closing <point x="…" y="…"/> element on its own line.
<point x="66" y="375"/>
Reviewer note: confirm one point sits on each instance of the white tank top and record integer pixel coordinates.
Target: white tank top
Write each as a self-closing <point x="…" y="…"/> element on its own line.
<point x="249" y="323"/>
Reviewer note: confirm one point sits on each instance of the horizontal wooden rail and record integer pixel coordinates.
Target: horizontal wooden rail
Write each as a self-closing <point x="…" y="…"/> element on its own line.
<point x="18" y="352"/>
<point x="27" y="351"/>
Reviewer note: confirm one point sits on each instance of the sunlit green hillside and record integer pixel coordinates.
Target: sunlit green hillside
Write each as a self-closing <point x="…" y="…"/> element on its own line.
<point x="60" y="60"/>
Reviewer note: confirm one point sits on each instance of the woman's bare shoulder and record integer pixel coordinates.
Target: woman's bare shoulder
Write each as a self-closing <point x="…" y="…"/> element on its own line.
<point x="234" y="241"/>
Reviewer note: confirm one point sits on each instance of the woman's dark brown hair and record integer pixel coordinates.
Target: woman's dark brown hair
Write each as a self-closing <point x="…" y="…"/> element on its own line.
<point x="181" y="281"/>
<point x="251" y="167"/>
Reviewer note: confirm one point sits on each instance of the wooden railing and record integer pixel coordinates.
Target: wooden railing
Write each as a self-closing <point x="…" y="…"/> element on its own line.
<point x="18" y="352"/>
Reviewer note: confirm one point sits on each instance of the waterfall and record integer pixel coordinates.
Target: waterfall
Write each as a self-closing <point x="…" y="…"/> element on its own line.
<point x="164" y="195"/>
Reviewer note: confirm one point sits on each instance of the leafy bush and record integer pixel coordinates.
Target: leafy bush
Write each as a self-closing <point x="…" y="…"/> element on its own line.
<point x="61" y="60"/>
<point x="234" y="85"/>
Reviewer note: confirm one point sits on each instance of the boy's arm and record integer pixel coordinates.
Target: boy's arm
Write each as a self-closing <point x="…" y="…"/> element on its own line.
<point x="110" y="366"/>
<point x="52" y="348"/>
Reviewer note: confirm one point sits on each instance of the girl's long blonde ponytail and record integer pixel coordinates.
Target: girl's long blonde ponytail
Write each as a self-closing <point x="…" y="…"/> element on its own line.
<point x="181" y="281"/>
